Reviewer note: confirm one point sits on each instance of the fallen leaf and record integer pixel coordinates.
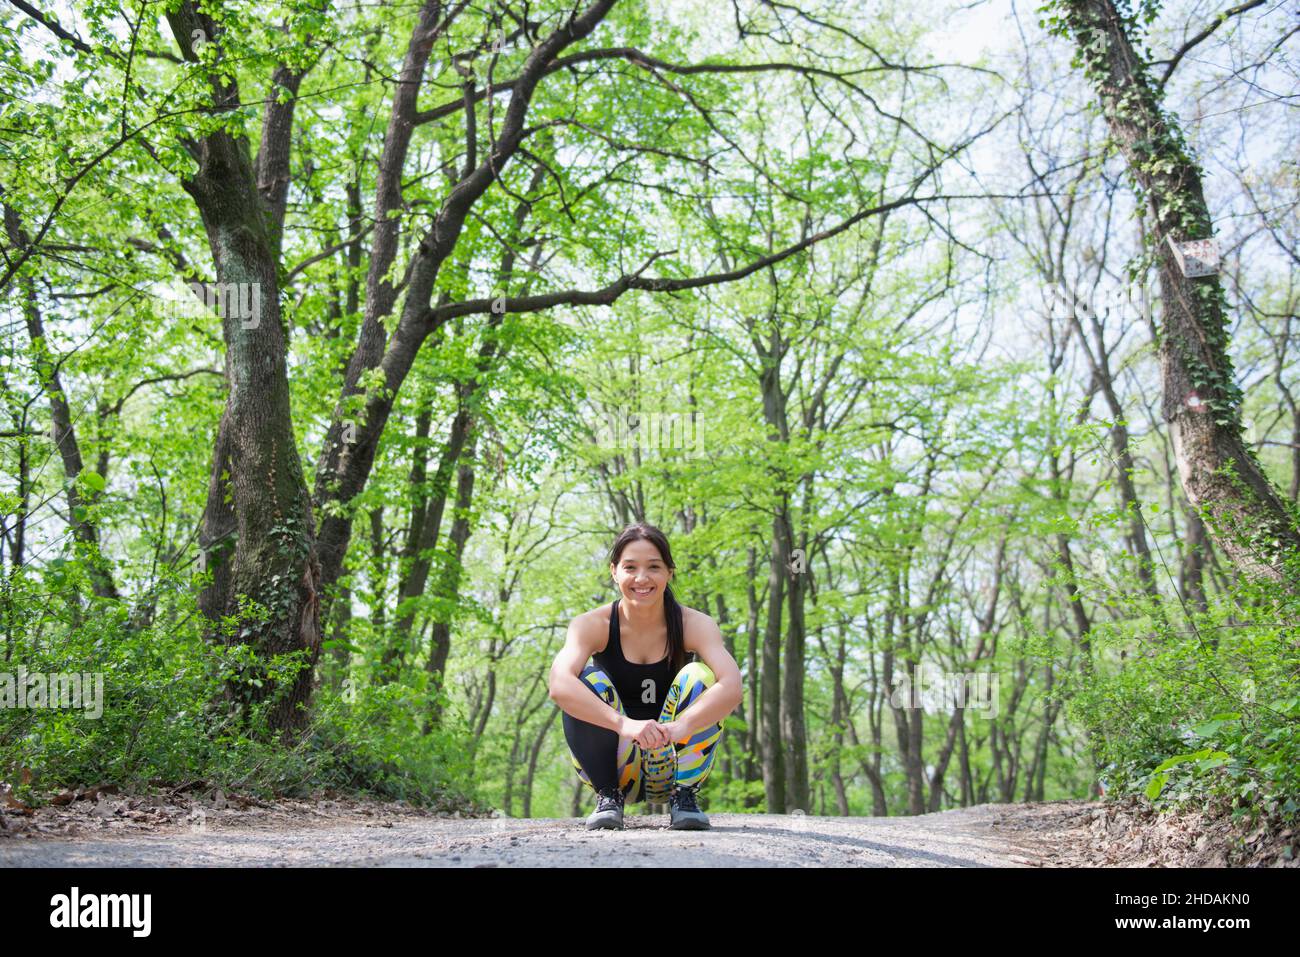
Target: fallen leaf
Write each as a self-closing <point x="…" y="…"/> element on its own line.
<point x="93" y="794"/>
<point x="12" y="803"/>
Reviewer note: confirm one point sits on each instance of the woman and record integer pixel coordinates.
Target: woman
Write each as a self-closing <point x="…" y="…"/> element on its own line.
<point x="642" y="723"/>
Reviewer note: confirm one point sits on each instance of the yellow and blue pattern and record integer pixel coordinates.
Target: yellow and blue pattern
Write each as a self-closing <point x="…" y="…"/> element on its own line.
<point x="649" y="775"/>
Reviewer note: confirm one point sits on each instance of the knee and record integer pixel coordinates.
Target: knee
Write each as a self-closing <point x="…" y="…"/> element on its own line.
<point x="596" y="679"/>
<point x="697" y="671"/>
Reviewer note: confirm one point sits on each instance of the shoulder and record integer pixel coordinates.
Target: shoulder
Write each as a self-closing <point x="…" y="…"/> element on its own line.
<point x="592" y="627"/>
<point x="698" y="629"/>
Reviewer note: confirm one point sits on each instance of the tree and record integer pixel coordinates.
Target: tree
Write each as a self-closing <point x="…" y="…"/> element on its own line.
<point x="1249" y="519"/>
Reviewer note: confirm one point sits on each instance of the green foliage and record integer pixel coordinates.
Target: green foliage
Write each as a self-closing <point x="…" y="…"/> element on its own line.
<point x="371" y="742"/>
<point x="167" y="714"/>
<point x="907" y="462"/>
<point x="1186" y="715"/>
<point x="155" y="688"/>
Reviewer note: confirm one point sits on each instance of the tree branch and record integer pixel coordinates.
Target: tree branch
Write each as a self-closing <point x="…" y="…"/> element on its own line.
<point x="1203" y="35"/>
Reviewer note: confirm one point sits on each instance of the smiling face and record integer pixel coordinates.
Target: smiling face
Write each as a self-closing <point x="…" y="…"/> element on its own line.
<point x="641" y="575"/>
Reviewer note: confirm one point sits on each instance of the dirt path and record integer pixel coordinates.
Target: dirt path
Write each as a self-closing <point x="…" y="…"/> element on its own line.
<point x="960" y="838"/>
<point x="103" y="828"/>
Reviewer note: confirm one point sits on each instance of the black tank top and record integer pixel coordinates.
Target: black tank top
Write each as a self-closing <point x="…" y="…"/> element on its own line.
<point x="640" y="687"/>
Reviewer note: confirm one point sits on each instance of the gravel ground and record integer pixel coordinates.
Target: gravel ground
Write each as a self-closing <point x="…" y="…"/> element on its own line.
<point x="101" y="827"/>
<point x="960" y="838"/>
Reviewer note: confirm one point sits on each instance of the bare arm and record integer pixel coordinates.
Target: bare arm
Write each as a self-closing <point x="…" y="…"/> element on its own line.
<point x="720" y="699"/>
<point x="569" y="692"/>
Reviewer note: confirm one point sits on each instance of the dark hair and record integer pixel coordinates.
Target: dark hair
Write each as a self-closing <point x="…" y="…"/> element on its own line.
<point x="640" y="531"/>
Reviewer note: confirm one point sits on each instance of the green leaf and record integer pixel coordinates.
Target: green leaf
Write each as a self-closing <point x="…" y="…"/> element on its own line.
<point x="1156" y="786"/>
<point x="331" y="643"/>
<point x="1183" y="758"/>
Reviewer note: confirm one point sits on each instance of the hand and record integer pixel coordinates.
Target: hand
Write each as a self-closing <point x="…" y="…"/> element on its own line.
<point x="648" y="734"/>
<point x="676" y="730"/>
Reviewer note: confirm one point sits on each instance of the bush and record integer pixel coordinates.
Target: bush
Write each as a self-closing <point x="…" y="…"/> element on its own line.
<point x="1211" y="711"/>
<point x="167" y="720"/>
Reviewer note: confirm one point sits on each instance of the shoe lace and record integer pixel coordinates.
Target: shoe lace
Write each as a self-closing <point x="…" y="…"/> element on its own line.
<point x="684" y="799"/>
<point x="610" y="800"/>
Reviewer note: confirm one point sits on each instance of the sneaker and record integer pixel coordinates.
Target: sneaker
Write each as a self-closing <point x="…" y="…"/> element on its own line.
<point x="609" y="811"/>
<point x="685" y="812"/>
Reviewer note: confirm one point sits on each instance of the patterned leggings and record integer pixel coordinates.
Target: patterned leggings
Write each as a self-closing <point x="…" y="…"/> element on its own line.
<point x="643" y="775"/>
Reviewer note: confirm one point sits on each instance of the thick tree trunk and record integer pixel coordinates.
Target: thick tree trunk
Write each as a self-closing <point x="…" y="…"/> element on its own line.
<point x="1247" y="517"/>
<point x="259" y="505"/>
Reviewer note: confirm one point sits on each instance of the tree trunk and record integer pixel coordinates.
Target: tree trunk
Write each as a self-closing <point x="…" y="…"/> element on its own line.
<point x="1248" y="518"/>
<point x="793" y="734"/>
<point x="449" y="583"/>
<point x="773" y="758"/>
<point x="533" y="754"/>
<point x="259" y="513"/>
<point x="753" y="734"/>
<point x="62" y="433"/>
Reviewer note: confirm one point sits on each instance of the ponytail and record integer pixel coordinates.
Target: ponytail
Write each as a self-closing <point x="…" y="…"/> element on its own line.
<point x="676" y="630"/>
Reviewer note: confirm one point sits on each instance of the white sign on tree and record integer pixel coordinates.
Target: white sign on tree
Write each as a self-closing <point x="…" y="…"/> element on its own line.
<point x="1197" y="257"/>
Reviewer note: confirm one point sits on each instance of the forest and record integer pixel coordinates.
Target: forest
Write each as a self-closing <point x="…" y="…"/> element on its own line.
<point x="951" y="346"/>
